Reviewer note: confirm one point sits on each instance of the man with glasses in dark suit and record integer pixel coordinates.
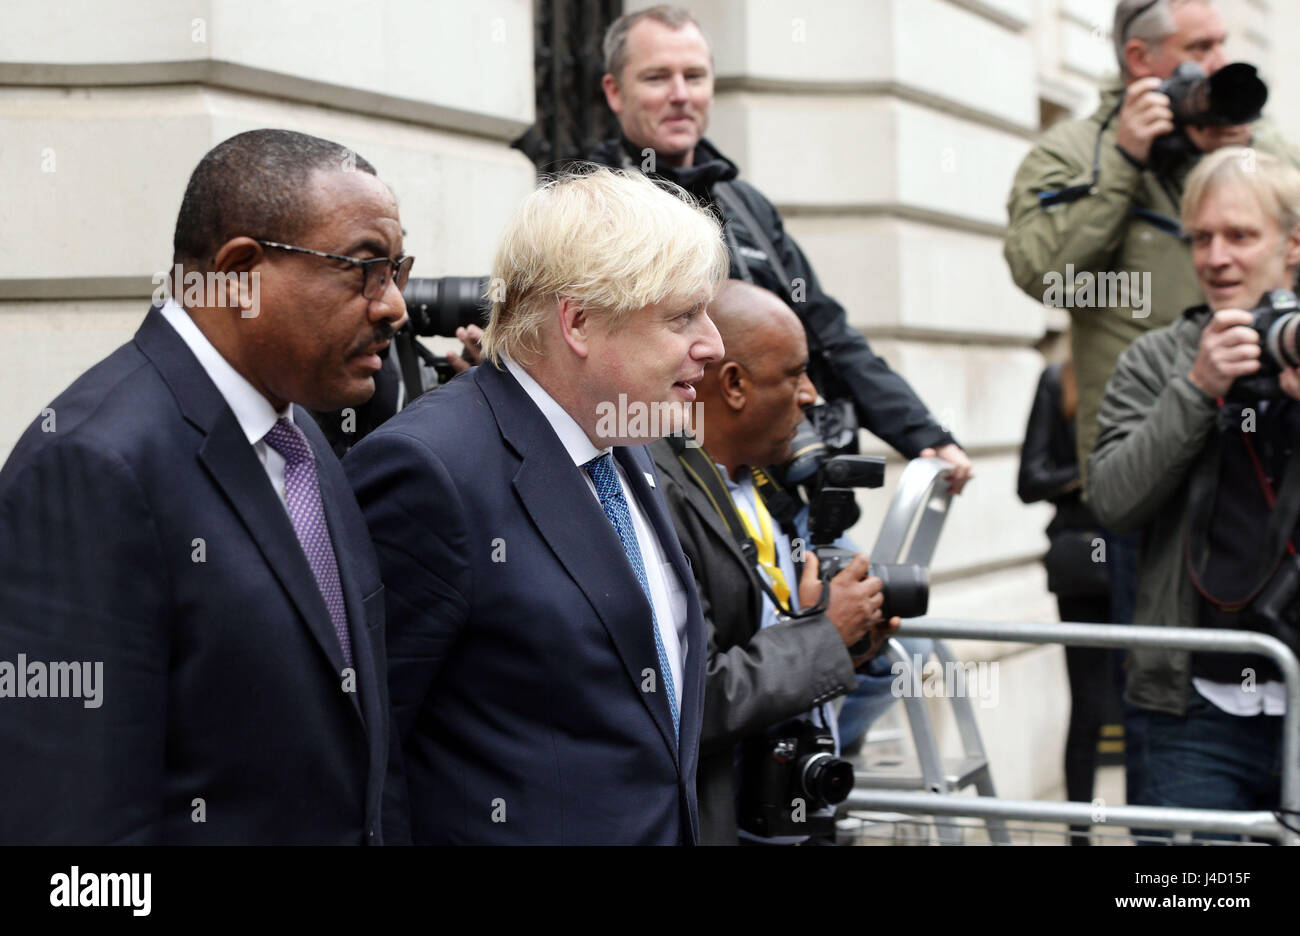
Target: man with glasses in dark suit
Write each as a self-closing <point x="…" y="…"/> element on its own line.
<point x="176" y="518"/>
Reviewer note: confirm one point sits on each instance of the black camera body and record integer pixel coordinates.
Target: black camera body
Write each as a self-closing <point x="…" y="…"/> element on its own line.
<point x="1277" y="608"/>
<point x="1277" y="320"/>
<point x="790" y="774"/>
<point x="1232" y="96"/>
<point x="834" y="509"/>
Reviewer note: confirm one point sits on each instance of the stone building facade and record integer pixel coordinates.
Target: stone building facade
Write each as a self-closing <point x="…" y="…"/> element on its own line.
<point x="887" y="132"/>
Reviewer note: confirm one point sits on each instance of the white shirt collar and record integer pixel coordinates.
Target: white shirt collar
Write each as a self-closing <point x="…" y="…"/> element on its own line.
<point x="253" y="411"/>
<point x="745" y="483"/>
<point x="575" y="441"/>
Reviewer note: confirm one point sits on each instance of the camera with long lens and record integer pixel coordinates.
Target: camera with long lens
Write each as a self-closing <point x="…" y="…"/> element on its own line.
<point x="834" y="509"/>
<point x="440" y="305"/>
<point x="790" y="774"/>
<point x="828" y="429"/>
<point x="1232" y="96"/>
<point x="1277" y="320"/>
<point x="436" y="307"/>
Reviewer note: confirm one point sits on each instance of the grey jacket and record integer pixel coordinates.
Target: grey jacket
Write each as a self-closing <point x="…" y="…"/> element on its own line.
<point x="1154" y="425"/>
<point x="754" y="679"/>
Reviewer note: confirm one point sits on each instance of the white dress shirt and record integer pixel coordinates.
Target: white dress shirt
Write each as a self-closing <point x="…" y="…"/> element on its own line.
<point x="253" y="411"/>
<point x="667" y="594"/>
<point x="1268" y="698"/>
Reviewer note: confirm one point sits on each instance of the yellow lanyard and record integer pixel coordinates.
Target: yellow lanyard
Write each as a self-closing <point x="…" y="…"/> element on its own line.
<point x="766" y="543"/>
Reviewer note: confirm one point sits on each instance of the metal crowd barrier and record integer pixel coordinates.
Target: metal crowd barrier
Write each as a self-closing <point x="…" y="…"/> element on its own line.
<point x="910" y="533"/>
<point x="995" y="812"/>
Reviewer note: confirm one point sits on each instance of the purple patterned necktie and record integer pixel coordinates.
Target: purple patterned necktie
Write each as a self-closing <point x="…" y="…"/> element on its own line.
<point x="302" y="497"/>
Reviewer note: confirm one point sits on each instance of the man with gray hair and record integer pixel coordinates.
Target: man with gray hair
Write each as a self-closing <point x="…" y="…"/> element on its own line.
<point x="1089" y="206"/>
<point x="1087" y="199"/>
<point x="547" y="646"/>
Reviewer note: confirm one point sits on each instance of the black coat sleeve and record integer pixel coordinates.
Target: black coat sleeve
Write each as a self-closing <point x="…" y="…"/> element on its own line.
<point x="415" y="518"/>
<point x="1041" y="476"/>
<point x="81" y="583"/>
<point x="886" y="403"/>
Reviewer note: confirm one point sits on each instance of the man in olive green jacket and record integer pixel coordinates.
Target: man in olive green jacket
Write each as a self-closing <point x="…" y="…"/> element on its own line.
<point x="1124" y="218"/>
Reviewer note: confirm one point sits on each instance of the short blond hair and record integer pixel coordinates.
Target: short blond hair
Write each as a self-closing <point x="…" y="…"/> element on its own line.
<point x="1275" y="183"/>
<point x="615" y="241"/>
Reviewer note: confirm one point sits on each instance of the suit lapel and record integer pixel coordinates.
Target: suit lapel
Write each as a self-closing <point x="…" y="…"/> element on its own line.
<point x="637" y="465"/>
<point x="698" y="498"/>
<point x="234" y="466"/>
<point x="570" y="519"/>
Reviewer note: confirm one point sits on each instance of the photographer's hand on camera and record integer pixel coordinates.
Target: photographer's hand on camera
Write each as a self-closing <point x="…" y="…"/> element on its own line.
<point x="1229" y="349"/>
<point x="1145" y="115"/>
<point x="1289" y="379"/>
<point x="471" y="353"/>
<point x="855" y="601"/>
<point x="881" y="630"/>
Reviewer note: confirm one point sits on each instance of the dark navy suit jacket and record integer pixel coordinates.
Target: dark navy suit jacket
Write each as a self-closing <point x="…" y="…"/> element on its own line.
<point x="223" y="696"/>
<point x="520" y="643"/>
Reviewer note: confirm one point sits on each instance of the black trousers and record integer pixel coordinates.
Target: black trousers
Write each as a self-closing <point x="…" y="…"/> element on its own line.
<point x="1092" y="682"/>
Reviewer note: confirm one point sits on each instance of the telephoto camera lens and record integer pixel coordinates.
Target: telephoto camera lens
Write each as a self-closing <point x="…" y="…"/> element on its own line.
<point x="438" y="306"/>
<point x="807" y="452"/>
<point x="1281" y="341"/>
<point x="1233" y="95"/>
<point x="906" y="587"/>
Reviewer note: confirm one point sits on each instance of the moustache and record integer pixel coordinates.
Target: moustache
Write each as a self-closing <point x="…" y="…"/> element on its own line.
<point x="383" y="332"/>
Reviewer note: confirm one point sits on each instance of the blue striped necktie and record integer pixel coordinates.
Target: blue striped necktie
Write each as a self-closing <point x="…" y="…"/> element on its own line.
<point x="610" y="491"/>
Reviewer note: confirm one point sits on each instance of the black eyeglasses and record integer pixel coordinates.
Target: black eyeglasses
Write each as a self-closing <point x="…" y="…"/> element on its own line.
<point x="376" y="271"/>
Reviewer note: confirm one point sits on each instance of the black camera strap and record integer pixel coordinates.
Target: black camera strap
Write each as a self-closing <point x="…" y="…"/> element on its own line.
<point x="705" y="473"/>
<point x="1276" y="541"/>
<point x="736" y="209"/>
<point x="780" y="503"/>
<point x="1072" y="193"/>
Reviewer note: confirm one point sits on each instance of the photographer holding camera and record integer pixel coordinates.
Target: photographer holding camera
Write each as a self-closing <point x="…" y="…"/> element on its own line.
<point x="1101" y="195"/>
<point x="772" y="669"/>
<point x="1198" y="453"/>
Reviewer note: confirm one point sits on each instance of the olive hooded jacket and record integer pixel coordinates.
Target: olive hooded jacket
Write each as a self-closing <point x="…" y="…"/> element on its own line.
<point x="1127" y="223"/>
